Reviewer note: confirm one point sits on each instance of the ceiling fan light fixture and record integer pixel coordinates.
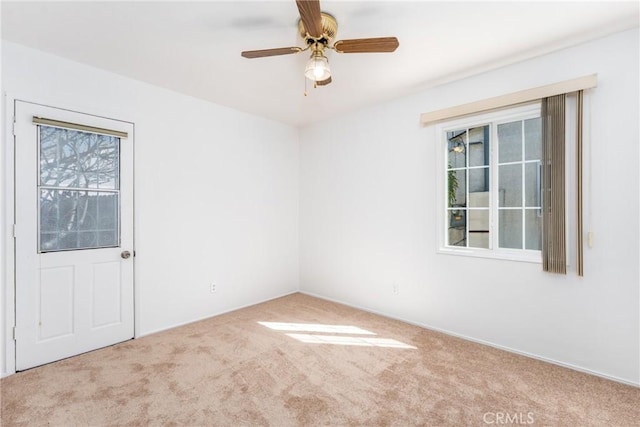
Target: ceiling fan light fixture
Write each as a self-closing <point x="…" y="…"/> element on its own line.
<point x="318" y="30"/>
<point x="317" y="68"/>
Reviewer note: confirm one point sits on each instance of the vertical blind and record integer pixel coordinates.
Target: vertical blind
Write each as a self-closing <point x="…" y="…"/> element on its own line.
<point x="554" y="252"/>
<point x="554" y="206"/>
<point x="579" y="223"/>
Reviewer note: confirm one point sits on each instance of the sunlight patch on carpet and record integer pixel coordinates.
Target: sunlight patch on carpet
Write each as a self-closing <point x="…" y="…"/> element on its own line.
<point x="311" y="327"/>
<point x="353" y="335"/>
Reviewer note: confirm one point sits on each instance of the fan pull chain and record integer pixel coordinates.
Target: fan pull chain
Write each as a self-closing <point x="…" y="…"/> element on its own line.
<point x="315" y="86"/>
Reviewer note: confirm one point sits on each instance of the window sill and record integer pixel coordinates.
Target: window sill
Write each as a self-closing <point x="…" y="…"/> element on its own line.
<point x="504" y="254"/>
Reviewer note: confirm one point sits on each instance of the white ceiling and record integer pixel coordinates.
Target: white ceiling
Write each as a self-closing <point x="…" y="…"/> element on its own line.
<point x="194" y="47"/>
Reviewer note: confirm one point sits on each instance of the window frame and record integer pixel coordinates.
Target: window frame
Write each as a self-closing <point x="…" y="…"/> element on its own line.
<point x="493" y="119"/>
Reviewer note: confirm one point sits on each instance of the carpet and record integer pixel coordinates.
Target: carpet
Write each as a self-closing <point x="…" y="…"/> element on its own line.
<point x="303" y="361"/>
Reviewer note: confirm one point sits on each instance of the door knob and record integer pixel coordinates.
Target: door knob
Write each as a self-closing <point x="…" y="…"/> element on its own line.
<point x="125" y="254"/>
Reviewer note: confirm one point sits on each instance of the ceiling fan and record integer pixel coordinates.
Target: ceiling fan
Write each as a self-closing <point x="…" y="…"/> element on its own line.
<point x="318" y="29"/>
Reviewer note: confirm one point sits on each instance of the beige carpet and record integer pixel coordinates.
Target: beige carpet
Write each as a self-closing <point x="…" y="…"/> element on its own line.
<point x="233" y="371"/>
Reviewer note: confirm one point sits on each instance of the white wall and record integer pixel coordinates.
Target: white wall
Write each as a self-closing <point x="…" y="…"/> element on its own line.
<point x="367" y="221"/>
<point x="216" y="190"/>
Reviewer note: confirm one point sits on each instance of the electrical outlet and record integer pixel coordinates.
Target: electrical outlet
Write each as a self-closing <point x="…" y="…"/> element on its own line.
<point x="396" y="289"/>
<point x="213" y="287"/>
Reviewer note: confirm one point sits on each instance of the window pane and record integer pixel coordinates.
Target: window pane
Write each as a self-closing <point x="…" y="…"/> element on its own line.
<point x="71" y="158"/>
<point x="457" y="188"/>
<point x="48" y="240"/>
<point x="479" y="187"/>
<point x="107" y="212"/>
<point x="532" y="184"/>
<point x="71" y="219"/>
<point x="49" y="211"/>
<point x="479" y="228"/>
<point x="533" y="139"/>
<point x="479" y="146"/>
<point x="510" y="229"/>
<point x="67" y="240"/>
<point x="457" y="149"/>
<point x="510" y="185"/>
<point x="533" y="229"/>
<point x="54" y="154"/>
<point x="457" y="228"/>
<point x="109" y="162"/>
<point x="88" y="239"/>
<point x="510" y="142"/>
<point x="107" y="238"/>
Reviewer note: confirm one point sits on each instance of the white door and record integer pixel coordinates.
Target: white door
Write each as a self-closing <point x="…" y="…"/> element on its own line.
<point x="74" y="233"/>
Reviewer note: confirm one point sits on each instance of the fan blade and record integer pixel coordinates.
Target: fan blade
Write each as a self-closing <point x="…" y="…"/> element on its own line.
<point x="324" y="82"/>
<point x="270" y="52"/>
<point x="310" y="16"/>
<point x="372" y="45"/>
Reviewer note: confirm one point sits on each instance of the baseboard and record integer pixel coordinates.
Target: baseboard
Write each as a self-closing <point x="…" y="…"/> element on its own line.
<point x="177" y="325"/>
<point x="479" y="341"/>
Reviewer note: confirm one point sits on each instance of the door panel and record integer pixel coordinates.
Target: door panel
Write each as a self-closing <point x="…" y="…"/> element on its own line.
<point x="74" y="218"/>
<point x="56" y="302"/>
<point x="106" y="298"/>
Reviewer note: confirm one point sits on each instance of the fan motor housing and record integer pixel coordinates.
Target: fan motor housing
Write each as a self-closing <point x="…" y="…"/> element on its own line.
<point x="329" y="29"/>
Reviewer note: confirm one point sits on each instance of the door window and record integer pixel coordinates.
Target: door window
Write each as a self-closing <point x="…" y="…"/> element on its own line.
<point x="79" y="190"/>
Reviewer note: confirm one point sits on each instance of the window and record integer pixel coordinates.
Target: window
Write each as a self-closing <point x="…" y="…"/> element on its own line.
<point x="79" y="190"/>
<point x="490" y="184"/>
